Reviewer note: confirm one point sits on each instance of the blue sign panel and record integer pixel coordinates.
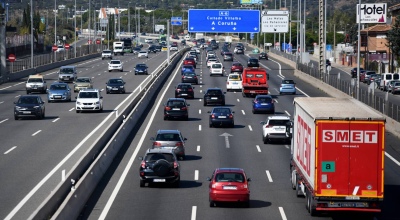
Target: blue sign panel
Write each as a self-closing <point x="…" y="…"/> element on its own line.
<point x="251" y="36"/>
<point x="176" y="20"/>
<point x="329" y="47"/>
<point x="251" y="2"/>
<point x="224" y="21"/>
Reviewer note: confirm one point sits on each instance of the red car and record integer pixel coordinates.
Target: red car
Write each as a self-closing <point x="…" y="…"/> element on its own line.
<point x="190" y="61"/>
<point x="229" y="185"/>
<point x="236" y="67"/>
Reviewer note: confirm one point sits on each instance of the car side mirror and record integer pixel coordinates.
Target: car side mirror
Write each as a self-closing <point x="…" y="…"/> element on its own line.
<point x="208" y="179"/>
<point x="248" y="179"/>
<point x="185" y="139"/>
<point x="209" y="112"/>
<point x="15" y="102"/>
<point x="233" y="112"/>
<point x="101" y="97"/>
<point x="262" y="122"/>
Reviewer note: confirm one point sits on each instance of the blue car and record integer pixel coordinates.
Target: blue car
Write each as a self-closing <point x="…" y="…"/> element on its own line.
<point x="187" y="68"/>
<point x="263" y="103"/>
<point x="287" y="86"/>
<point x="59" y="91"/>
<point x="141" y="68"/>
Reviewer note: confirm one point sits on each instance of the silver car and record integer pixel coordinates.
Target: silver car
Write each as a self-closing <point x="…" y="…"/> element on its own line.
<point x="59" y="92"/>
<point x="170" y="139"/>
<point x="83" y="83"/>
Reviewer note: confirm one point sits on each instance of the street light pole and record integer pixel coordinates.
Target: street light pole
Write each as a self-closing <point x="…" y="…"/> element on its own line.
<point x="129" y="18"/>
<point x="119" y="22"/>
<point x="55" y="27"/>
<point x="89" y="25"/>
<point x="75" y="30"/>
<point x="31" y="35"/>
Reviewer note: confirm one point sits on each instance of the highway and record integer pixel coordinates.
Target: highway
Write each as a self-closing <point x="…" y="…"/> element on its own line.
<point x="35" y="154"/>
<point x="119" y="196"/>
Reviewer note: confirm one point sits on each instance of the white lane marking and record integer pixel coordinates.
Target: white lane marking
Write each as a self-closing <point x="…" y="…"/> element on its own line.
<point x="63" y="175"/>
<point x="194" y="210"/>
<point x="71" y="109"/>
<point x="199" y="111"/>
<point x="37" y="132"/>
<point x="287" y="113"/>
<point x="17" y="96"/>
<point x="10" y="150"/>
<point x="287" y="146"/>
<point x="1" y="102"/>
<point x="196" y="175"/>
<point x="280" y="76"/>
<point x="258" y="148"/>
<point x="269" y="176"/>
<point x="3" y="120"/>
<point x="243" y="112"/>
<point x="102" y="90"/>
<point x="392" y="158"/>
<point x="56" y="119"/>
<point x="198" y="147"/>
<point x="6" y="88"/>
<point x="238" y="100"/>
<point x="276" y="101"/>
<point x="201" y="86"/>
<point x="250" y="128"/>
<point x="283" y="215"/>
<point x="200" y="100"/>
<point x="134" y="155"/>
<point x="18" y="83"/>
<point x="199" y="127"/>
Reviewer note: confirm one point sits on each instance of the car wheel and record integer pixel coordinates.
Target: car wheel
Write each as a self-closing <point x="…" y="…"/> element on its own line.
<point x="107" y="92"/>
<point x="210" y="125"/>
<point x="212" y="204"/>
<point x="15" y="117"/>
<point x="280" y="93"/>
<point x="43" y="115"/>
<point x="135" y="73"/>
<point x="273" y="111"/>
<point x="265" y="140"/>
<point x="165" y="118"/>
<point x="204" y="103"/>
<point x="122" y="70"/>
<point x="141" y="183"/>
<point x="298" y="190"/>
<point x="77" y="111"/>
<point x="254" y="112"/>
<point x="232" y="125"/>
<point x="294" y="93"/>
<point x="109" y="71"/>
<point x="187" y="118"/>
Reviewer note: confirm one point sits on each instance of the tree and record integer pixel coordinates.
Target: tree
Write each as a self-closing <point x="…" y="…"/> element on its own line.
<point x="394" y="39"/>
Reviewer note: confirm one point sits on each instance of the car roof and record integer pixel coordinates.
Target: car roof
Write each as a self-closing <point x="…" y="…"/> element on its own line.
<point x="160" y="150"/>
<point x="263" y="96"/>
<point x="36" y="76"/>
<point x="168" y="131"/>
<point x="184" y="84"/>
<point x="89" y="90"/>
<point x="57" y="83"/>
<point x="229" y="170"/>
<point x="67" y="67"/>
<point x="176" y="99"/>
<point x="278" y="117"/>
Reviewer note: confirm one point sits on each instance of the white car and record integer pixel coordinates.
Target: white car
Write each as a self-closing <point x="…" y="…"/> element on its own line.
<point x="173" y="48"/>
<point x="143" y="53"/>
<point x="211" y="61"/>
<point x="60" y="48"/>
<point x="196" y="49"/>
<point x="89" y="100"/>
<point x="274" y="128"/>
<point x="115" y="65"/>
<point x="234" y="82"/>
<point x="217" y="69"/>
<point x="148" y="40"/>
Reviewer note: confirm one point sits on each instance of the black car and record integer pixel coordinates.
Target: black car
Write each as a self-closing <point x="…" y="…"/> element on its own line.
<point x="176" y="108"/>
<point x="224" y="50"/>
<point x="263" y="55"/>
<point x="214" y="46"/>
<point x="214" y="96"/>
<point x="141" y="68"/>
<point x="189" y="77"/>
<point x="116" y="85"/>
<point x="253" y="62"/>
<point x="136" y="50"/>
<point x="221" y="116"/>
<point x="353" y="72"/>
<point x="158" y="48"/>
<point x="159" y="165"/>
<point x="29" y="106"/>
<point x="184" y="90"/>
<point x="152" y="49"/>
<point x="228" y="56"/>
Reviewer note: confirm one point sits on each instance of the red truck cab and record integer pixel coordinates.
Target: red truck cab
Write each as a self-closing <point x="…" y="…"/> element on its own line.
<point x="254" y="81"/>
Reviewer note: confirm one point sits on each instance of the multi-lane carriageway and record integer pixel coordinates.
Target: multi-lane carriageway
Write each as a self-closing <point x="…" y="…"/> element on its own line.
<point x="36" y="153"/>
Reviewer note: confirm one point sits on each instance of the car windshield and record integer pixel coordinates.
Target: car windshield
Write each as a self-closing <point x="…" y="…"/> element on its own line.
<point x="66" y="70"/>
<point x="184" y="87"/>
<point x="264" y="99"/>
<point x="58" y="87"/>
<point x="115" y="81"/>
<point x="88" y="95"/>
<point x="28" y="100"/>
<point x="229" y="177"/>
<point x="234" y="77"/>
<point x="214" y="92"/>
<point x="222" y="110"/>
<point x="278" y="122"/>
<point x="236" y="64"/>
<point x="287" y="81"/>
<point x="212" y="60"/>
<point x="168" y="137"/>
<point x="35" y="80"/>
<point x="152" y="157"/>
<point x="83" y="80"/>
<point x="397" y="84"/>
<point x="141" y="66"/>
<point x="115" y="62"/>
<point x="143" y="52"/>
<point x="176" y="103"/>
<point x="106" y="51"/>
<point x="189" y="73"/>
<point x="218" y="66"/>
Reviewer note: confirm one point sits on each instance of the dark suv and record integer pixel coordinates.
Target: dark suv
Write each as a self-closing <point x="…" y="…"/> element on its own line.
<point x="184" y="90"/>
<point x="159" y="166"/>
<point x="253" y="62"/>
<point x="29" y="106"/>
<point x="176" y="108"/>
<point x="214" y="96"/>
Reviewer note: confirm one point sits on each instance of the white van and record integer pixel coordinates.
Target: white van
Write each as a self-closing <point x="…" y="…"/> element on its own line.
<point x="386" y="78"/>
<point x="187" y="37"/>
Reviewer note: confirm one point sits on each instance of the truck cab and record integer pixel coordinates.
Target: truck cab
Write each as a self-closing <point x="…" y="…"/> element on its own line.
<point x="254" y="81"/>
<point x="118" y="48"/>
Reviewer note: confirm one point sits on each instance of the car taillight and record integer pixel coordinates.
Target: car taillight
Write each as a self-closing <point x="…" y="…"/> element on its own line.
<point x="268" y="126"/>
<point x="245" y="186"/>
<point x="230" y="116"/>
<point x="179" y="144"/>
<point x="184" y="108"/>
<point x="178" y="90"/>
<point x="167" y="108"/>
<point x="175" y="164"/>
<point x="156" y="143"/>
<point x="227" y="83"/>
<point x="143" y="164"/>
<point x="272" y="101"/>
<point x="190" y="90"/>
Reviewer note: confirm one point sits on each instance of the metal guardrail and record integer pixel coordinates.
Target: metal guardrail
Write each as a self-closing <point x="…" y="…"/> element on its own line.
<point x="368" y="97"/>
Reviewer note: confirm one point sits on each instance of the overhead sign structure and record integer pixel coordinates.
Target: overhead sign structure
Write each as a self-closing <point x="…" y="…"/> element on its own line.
<point x="224" y="21"/>
<point x="251" y="2"/>
<point x="372" y="13"/>
<point x="276" y="22"/>
<point x="176" y="20"/>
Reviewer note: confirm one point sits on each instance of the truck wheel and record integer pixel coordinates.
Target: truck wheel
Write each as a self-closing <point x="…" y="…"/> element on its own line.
<point x="298" y="189"/>
<point x="141" y="183"/>
<point x="310" y="204"/>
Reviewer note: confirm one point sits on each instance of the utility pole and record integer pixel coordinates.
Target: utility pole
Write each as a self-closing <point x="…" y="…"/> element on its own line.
<point x="32" y="43"/>
<point x="321" y="34"/>
<point x="129" y="18"/>
<point x="89" y="25"/>
<point x="75" y="29"/>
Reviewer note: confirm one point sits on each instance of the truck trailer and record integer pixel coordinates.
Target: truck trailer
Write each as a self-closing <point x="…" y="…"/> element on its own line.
<point x="254" y="81"/>
<point x="337" y="160"/>
<point x="118" y="48"/>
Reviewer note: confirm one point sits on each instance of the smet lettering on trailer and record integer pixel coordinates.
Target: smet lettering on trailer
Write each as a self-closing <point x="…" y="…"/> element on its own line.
<point x="303" y="153"/>
<point x="350" y="136"/>
<point x="373" y="10"/>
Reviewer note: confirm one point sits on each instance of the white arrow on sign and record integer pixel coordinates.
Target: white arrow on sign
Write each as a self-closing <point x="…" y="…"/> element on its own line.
<point x="213" y="28"/>
<point x="234" y="28"/>
<point x="191" y="28"/>
<point x="226" y="135"/>
<point x="255" y="28"/>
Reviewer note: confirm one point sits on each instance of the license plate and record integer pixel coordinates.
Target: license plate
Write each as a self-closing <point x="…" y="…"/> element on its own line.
<point x="26" y="112"/>
<point x="189" y="77"/>
<point x="221" y="116"/>
<point x="184" y="94"/>
<point x="234" y="83"/>
<point x="158" y="180"/>
<point x="264" y="104"/>
<point x="115" y="89"/>
<point x="176" y="109"/>
<point x="252" y="92"/>
<point x="66" y="77"/>
<point x="214" y="97"/>
<point x="230" y="187"/>
<point x="57" y="97"/>
<point x="279" y="129"/>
